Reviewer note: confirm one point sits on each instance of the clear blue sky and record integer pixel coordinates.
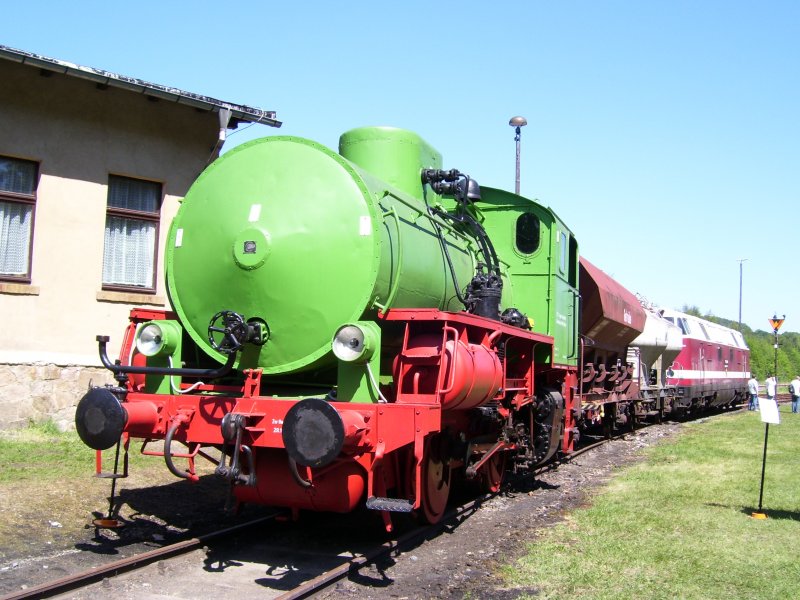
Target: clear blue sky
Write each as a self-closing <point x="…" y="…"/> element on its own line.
<point x="666" y="134"/>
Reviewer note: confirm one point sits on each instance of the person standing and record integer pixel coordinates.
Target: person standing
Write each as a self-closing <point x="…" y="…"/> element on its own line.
<point x="772" y="387"/>
<point x="794" y="390"/>
<point x="752" y="389"/>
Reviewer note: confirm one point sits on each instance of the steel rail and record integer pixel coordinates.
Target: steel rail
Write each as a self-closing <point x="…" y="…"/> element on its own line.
<point x="71" y="582"/>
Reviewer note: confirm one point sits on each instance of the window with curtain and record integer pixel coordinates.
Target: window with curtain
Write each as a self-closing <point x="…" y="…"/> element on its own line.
<point x="17" y="202"/>
<point x="129" y="255"/>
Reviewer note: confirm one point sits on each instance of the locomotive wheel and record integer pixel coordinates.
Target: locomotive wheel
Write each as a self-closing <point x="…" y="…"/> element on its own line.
<point x="492" y="473"/>
<point x="435" y="482"/>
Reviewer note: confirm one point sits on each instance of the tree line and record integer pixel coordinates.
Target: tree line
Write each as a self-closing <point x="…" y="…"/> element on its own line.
<point x="762" y="348"/>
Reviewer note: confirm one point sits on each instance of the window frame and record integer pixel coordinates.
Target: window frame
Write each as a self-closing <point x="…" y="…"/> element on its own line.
<point x="28" y="200"/>
<point x="127" y="213"/>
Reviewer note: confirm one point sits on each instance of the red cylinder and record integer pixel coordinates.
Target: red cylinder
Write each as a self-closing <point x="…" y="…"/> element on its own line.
<point x="474" y="375"/>
<point x="338" y="488"/>
<point x="142" y="416"/>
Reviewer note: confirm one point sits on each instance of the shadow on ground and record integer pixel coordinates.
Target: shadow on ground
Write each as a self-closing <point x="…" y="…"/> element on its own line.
<point x="164" y="514"/>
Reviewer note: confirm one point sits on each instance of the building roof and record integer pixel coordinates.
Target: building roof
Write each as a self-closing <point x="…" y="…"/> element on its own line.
<point x="238" y="112"/>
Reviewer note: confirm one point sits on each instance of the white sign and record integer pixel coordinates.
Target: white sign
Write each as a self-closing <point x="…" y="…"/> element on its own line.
<point x="769" y="411"/>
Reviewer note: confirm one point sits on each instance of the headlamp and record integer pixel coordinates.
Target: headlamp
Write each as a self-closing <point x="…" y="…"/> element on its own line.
<point x="355" y="342"/>
<point x="158" y="338"/>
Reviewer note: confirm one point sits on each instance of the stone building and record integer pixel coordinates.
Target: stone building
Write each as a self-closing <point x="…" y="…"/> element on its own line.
<point x="92" y="168"/>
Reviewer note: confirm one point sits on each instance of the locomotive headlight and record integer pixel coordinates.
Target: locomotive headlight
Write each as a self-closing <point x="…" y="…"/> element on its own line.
<point x="355" y="342"/>
<point x="158" y="338"/>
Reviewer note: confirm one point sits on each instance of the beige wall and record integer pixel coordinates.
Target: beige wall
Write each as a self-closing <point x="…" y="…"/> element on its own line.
<point x="79" y="134"/>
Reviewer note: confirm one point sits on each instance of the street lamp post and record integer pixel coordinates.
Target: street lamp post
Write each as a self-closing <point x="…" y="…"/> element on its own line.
<point x="517" y="123"/>
<point x="741" y="261"/>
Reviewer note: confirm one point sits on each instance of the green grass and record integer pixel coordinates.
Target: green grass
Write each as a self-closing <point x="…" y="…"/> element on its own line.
<point x="41" y="452"/>
<point x="679" y="525"/>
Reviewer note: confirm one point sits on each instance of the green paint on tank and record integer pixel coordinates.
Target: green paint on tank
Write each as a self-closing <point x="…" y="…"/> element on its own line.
<point x="286" y="230"/>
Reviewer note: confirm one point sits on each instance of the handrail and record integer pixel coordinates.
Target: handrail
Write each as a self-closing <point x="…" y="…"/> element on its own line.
<point x="190" y="474"/>
<point x="395" y="283"/>
<point x="576" y="314"/>
<point x="180" y="372"/>
<point x="452" y="378"/>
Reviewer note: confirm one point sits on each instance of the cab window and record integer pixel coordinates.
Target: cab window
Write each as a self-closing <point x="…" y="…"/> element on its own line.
<point x="527" y="233"/>
<point x="684" y="325"/>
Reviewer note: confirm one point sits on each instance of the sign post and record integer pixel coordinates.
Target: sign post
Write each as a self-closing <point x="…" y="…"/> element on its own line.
<point x="769" y="414"/>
